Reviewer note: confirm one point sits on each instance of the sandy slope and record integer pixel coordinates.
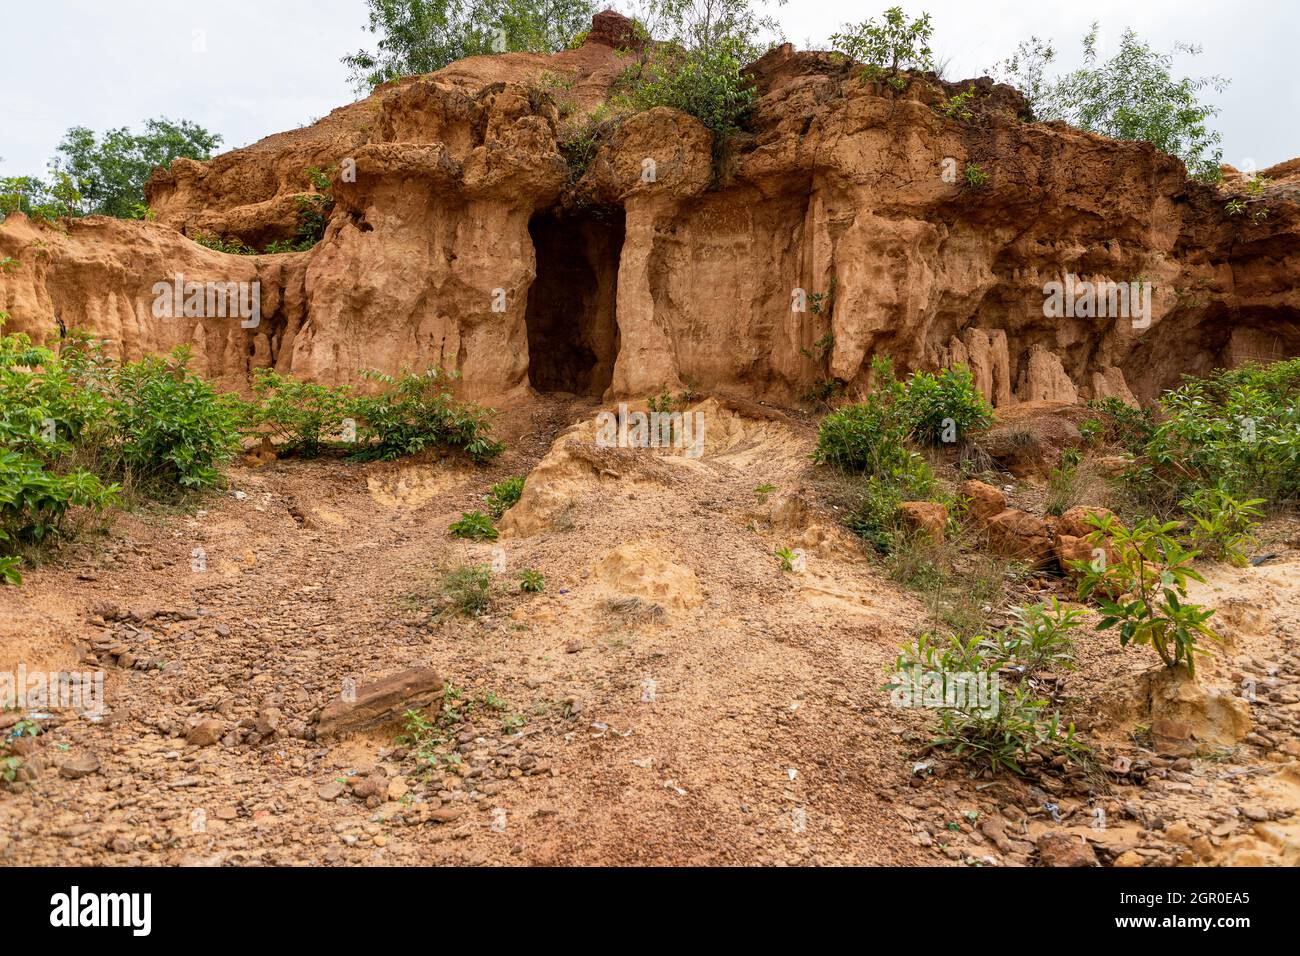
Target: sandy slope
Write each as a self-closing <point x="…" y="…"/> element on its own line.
<point x="731" y="714"/>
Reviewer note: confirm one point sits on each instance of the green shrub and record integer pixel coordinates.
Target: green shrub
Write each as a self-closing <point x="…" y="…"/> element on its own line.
<point x="1039" y="639"/>
<point x="974" y="176"/>
<point x="1123" y="424"/>
<point x="1142" y="591"/>
<point x="474" y="525"/>
<point x="1000" y="732"/>
<point x="418" y="411"/>
<point x="504" y="494"/>
<point x="531" y="582"/>
<point x="301" y="415"/>
<point x="871" y="438"/>
<point x="35" y="502"/>
<point x="707" y="82"/>
<point x="1221" y="524"/>
<point x="945" y="407"/>
<point x="466" y="589"/>
<point x="1237" y="430"/>
<point x="888" y="47"/>
<point x="174" y="431"/>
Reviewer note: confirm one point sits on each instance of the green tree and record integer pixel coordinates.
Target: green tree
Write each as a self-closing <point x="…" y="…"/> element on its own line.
<point x="1133" y="95"/>
<point x="38" y="199"/>
<point x="698" y="65"/>
<point x="421" y="36"/>
<point x="110" y="173"/>
<point x="888" y="47"/>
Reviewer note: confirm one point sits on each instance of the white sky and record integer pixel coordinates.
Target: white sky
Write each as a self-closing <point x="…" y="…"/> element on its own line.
<point x="272" y="65"/>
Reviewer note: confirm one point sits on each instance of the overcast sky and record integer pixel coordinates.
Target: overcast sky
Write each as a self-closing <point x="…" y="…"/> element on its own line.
<point x="249" y="68"/>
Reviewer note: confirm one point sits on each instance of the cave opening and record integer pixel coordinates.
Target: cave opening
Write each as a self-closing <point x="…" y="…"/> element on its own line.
<point x="571" y="314"/>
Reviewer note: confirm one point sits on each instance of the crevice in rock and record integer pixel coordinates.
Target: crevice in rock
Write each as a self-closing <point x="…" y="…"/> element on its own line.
<point x="573" y="334"/>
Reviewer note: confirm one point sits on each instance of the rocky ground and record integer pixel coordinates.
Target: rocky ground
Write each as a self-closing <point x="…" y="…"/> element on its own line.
<point x="672" y="697"/>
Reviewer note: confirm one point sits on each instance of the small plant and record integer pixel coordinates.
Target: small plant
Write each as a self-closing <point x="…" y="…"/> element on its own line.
<point x="473" y="525"/>
<point x="974" y="176"/>
<point x="945" y="407"/>
<point x="466" y="589"/>
<point x="996" y="728"/>
<point x="786" y="557"/>
<point x="230" y="245"/>
<point x="1221" y="524"/>
<point x="175" y="430"/>
<point x="531" y="582"/>
<point x="417" y="411"/>
<point x="763" y="491"/>
<point x="1039" y="639"/>
<point x="302" y="415"/>
<point x="9" y="767"/>
<point x="663" y="402"/>
<point x="888" y="47"/>
<point x="1142" y="590"/>
<point x="1063" y="484"/>
<point x="504" y="495"/>
<point x="1122" y="424"/>
<point x="958" y="106"/>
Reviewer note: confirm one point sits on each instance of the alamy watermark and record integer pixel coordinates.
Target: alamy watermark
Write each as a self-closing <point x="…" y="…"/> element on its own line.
<point x="682" y="431"/>
<point x="1075" y="299"/>
<point x="209" y="300"/>
<point x="975" y="691"/>
<point x="45" y="690"/>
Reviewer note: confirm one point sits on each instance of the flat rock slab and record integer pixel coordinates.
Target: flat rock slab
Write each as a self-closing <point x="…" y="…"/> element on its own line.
<point x="379" y="702"/>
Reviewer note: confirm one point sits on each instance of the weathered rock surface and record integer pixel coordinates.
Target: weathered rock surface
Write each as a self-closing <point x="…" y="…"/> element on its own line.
<point x="379" y="701"/>
<point x="461" y="236"/>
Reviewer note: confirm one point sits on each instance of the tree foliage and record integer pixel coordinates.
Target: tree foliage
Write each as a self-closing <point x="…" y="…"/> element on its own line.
<point x="1133" y="95"/>
<point x="888" y="47"/>
<point x="421" y="36"/>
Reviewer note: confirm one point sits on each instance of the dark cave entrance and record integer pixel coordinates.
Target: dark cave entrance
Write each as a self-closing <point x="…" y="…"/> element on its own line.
<point x="572" y="329"/>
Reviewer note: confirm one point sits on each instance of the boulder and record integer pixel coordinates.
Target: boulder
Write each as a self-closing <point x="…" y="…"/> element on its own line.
<point x="1020" y="535"/>
<point x="380" y="701"/>
<point x="983" y="502"/>
<point x="928" y="517"/>
<point x="1075" y="521"/>
<point x="1027" y="439"/>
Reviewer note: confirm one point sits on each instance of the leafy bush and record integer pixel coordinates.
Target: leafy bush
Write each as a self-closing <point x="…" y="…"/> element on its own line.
<point x="1130" y="427"/>
<point x="974" y="176"/>
<point x="1221" y="524"/>
<point x="889" y="47"/>
<point x="173" y="430"/>
<point x="871" y="438"/>
<point x="1039" y="639"/>
<point x="466" y="589"/>
<point x="418" y="411"/>
<point x="504" y="494"/>
<point x="1142" y="590"/>
<point x="301" y="415"/>
<point x="531" y="582"/>
<point x="35" y="502"/>
<point x="1238" y="430"/>
<point x="475" y="525"/>
<point x="706" y="82"/>
<point x="999" y="733"/>
<point x="946" y="406"/>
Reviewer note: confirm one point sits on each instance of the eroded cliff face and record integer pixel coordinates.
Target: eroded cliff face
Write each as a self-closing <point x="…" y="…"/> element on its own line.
<point x="840" y="227"/>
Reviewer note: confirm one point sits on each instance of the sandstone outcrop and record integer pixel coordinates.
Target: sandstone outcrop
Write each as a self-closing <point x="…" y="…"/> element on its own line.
<point x="464" y="234"/>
